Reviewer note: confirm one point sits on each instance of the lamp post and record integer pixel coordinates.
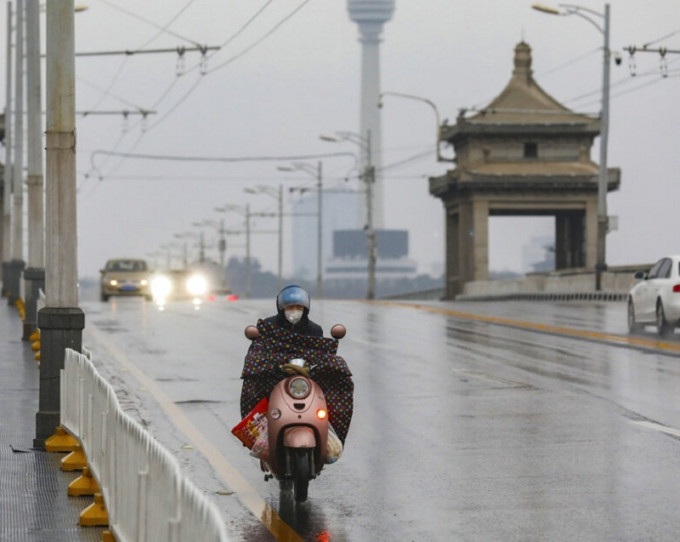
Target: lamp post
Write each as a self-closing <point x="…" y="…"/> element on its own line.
<point x="364" y="143"/>
<point x="17" y="264"/>
<point x="244" y="210"/>
<point x="317" y="172"/>
<point x="602" y="220"/>
<point x="7" y="176"/>
<point x="277" y="194"/>
<point x="34" y="274"/>
<point x="438" y="135"/>
<point x="222" y="243"/>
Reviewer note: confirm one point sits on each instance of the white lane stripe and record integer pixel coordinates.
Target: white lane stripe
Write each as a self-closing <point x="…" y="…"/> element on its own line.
<point x="658" y="427"/>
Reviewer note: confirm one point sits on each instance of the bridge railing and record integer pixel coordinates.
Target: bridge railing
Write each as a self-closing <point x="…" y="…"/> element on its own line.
<point x="146" y="495"/>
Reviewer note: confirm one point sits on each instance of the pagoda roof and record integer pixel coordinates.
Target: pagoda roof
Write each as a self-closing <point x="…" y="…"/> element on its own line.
<point x="523" y="101"/>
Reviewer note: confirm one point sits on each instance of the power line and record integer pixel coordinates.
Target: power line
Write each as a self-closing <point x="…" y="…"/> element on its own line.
<point x="265" y="36"/>
<point x="152" y="23"/>
<point x="191" y="90"/>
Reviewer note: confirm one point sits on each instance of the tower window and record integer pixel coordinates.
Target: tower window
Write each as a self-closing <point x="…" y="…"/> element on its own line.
<point x="530" y="150"/>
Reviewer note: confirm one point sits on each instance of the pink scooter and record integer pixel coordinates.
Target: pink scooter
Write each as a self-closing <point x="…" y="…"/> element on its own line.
<point x="297" y="421"/>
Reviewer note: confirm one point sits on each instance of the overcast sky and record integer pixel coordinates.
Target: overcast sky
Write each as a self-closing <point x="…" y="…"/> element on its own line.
<point x="288" y="71"/>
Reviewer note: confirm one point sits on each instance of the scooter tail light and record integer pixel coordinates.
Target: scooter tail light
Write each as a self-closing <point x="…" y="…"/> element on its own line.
<point x="321" y="414"/>
<point x="676" y="289"/>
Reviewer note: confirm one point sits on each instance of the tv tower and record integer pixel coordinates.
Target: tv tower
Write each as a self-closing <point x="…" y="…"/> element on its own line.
<point x="371" y="15"/>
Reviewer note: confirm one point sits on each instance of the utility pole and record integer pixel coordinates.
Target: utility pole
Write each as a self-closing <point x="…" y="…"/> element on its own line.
<point x="369" y="174"/>
<point x="319" y="235"/>
<point x="17" y="264"/>
<point x="249" y="268"/>
<point x="34" y="274"/>
<point x="7" y="176"/>
<point x="602" y="220"/>
<point x="61" y="321"/>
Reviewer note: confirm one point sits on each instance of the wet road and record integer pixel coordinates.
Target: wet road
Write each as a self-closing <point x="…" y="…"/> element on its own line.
<point x="475" y="422"/>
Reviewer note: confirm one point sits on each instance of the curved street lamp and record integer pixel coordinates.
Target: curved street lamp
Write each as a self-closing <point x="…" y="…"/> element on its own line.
<point x="438" y="137"/>
<point x="277" y="194"/>
<point x="245" y="211"/>
<point x="317" y="173"/>
<point x="369" y="178"/>
<point x="602" y="220"/>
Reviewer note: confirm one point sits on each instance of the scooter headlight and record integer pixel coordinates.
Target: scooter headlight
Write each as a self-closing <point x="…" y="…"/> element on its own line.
<point x="299" y="388"/>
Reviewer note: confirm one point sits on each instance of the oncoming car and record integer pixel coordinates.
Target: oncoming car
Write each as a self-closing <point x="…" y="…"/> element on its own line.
<point x="655" y="299"/>
<point x="179" y="284"/>
<point x="125" y="277"/>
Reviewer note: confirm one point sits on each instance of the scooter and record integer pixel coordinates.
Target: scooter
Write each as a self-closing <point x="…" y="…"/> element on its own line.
<point x="297" y="425"/>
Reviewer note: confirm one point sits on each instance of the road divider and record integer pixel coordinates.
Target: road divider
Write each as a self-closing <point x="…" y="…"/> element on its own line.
<point x="143" y="494"/>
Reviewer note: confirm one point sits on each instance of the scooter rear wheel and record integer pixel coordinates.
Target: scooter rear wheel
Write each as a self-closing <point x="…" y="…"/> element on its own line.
<point x="301" y="474"/>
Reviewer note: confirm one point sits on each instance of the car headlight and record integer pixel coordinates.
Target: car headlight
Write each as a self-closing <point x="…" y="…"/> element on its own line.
<point x="144" y="282"/>
<point x="113" y="282"/>
<point x="299" y="388"/>
<point x="161" y="286"/>
<point x="197" y="285"/>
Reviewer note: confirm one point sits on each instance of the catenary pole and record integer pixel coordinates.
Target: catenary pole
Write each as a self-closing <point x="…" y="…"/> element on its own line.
<point x="61" y="321"/>
<point x="16" y="264"/>
<point x="34" y="274"/>
<point x="7" y="174"/>
<point x="602" y="220"/>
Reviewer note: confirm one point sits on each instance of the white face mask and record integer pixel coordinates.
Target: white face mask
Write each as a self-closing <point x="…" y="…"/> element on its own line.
<point x="294" y="315"/>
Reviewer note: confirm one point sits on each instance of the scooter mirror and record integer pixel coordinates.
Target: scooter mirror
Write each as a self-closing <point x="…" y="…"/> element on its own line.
<point x="252" y="332"/>
<point x="338" y="331"/>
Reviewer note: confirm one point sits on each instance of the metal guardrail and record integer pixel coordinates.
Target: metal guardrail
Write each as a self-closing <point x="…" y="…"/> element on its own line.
<point x="146" y="496"/>
<point x="548" y="296"/>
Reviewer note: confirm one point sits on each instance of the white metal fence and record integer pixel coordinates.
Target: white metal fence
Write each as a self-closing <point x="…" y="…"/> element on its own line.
<point x="146" y="496"/>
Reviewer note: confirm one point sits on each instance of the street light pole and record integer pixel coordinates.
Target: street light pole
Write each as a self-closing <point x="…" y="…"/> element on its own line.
<point x="278" y="195"/>
<point x="369" y="178"/>
<point x="61" y="322"/>
<point x="319" y="233"/>
<point x="318" y="173"/>
<point x="245" y="210"/>
<point x="438" y="134"/>
<point x="34" y="274"/>
<point x="602" y="220"/>
<point x="17" y="263"/>
<point x="370" y="232"/>
<point x="7" y="176"/>
<point x="602" y="180"/>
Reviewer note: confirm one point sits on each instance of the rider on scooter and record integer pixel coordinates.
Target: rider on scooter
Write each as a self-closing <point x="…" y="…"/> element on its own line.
<point x="292" y="305"/>
<point x="277" y="346"/>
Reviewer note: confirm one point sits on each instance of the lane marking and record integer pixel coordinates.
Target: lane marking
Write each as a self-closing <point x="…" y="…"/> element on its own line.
<point x="245" y="492"/>
<point x="658" y="427"/>
<point x="545" y="328"/>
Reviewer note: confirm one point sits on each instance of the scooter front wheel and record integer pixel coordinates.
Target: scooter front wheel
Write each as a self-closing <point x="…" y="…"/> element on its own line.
<point x="301" y="474"/>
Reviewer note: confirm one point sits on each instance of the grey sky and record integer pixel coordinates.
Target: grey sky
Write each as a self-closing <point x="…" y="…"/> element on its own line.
<point x="302" y="80"/>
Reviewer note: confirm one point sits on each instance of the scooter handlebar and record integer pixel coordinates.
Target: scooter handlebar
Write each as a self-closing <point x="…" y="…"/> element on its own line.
<point x="338" y="331"/>
<point x="252" y="333"/>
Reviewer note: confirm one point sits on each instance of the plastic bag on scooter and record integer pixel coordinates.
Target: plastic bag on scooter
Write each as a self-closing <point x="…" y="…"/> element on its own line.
<point x="260" y="448"/>
<point x="334" y="446"/>
<point x="253" y="425"/>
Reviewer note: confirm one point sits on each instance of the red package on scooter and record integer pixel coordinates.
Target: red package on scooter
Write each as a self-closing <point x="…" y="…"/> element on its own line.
<point x="253" y="425"/>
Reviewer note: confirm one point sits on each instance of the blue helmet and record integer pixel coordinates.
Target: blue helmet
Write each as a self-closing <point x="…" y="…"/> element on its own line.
<point x="292" y="295"/>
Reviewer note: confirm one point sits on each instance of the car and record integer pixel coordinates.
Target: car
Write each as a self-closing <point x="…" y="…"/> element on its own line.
<point x="179" y="284"/>
<point x="655" y="298"/>
<point x="125" y="277"/>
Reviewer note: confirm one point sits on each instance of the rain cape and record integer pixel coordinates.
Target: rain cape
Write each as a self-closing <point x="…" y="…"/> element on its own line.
<point x="277" y="346"/>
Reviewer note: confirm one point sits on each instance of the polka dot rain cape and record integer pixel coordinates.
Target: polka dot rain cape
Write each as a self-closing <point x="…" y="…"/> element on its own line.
<point x="276" y="347"/>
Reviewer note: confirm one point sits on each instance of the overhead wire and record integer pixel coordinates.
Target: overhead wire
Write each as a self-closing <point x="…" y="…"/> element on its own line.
<point x="197" y="82"/>
<point x="162" y="30"/>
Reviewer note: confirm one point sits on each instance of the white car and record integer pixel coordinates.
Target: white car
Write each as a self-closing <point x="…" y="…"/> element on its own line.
<point x="655" y="299"/>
